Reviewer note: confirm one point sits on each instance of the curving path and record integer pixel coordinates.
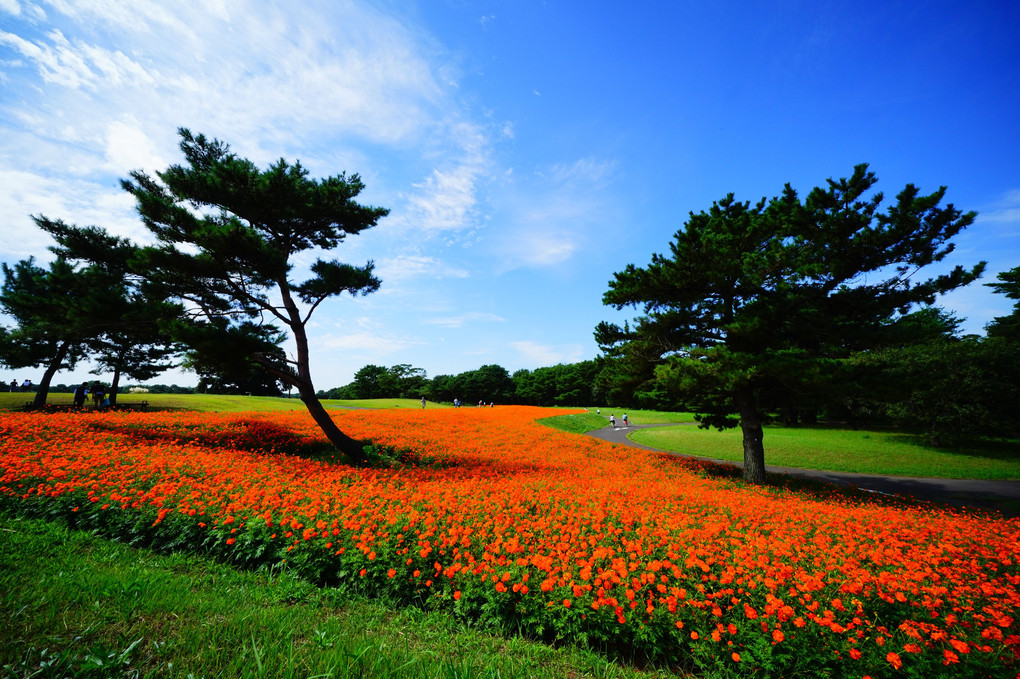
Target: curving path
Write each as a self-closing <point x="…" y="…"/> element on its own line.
<point x="1001" y="495"/>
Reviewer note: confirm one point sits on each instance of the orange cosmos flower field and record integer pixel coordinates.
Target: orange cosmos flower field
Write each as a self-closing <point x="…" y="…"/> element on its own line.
<point x="564" y="537"/>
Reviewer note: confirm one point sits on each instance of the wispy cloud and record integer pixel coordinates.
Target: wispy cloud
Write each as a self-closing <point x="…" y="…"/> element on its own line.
<point x="406" y="267"/>
<point x="461" y="319"/>
<point x="536" y="354"/>
<point x="546" y="218"/>
<point x="103" y="86"/>
<point x="1005" y="210"/>
<point x="366" y="343"/>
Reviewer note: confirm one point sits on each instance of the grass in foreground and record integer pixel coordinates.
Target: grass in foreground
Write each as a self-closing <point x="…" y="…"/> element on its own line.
<point x="863" y="452"/>
<point x="77" y="605"/>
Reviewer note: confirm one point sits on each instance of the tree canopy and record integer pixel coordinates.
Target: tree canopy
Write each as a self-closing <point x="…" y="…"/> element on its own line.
<point x="1007" y="327"/>
<point x="756" y="305"/>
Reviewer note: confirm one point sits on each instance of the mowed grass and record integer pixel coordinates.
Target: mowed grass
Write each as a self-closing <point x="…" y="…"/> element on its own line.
<point x="645" y="416"/>
<point x="214" y="402"/>
<point x="384" y="403"/>
<point x="842" y="450"/>
<point x="77" y="605"/>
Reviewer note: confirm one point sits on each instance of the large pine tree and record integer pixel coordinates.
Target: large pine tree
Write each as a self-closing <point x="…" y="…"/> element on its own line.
<point x="755" y="305"/>
<point x="226" y="237"/>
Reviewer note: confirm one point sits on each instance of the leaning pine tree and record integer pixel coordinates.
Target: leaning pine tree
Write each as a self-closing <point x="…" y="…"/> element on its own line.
<point x="226" y="235"/>
<point x="756" y="306"/>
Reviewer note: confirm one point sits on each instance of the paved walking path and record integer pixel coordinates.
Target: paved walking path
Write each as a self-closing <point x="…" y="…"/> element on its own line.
<point x="1001" y="495"/>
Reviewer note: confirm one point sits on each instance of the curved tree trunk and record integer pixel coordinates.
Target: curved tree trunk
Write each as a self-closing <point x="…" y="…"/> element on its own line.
<point x="754" y="449"/>
<point x="341" y="441"/>
<point x="115" y="384"/>
<point x="303" y="382"/>
<point x="43" y="389"/>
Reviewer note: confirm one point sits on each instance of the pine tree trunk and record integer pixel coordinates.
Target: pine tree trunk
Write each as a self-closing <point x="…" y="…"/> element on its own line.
<point x="114" y="385"/>
<point x="341" y="441"/>
<point x="754" y="449"/>
<point x="43" y="390"/>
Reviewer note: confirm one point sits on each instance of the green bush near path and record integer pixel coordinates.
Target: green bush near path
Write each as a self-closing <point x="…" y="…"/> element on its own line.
<point x="842" y="450"/>
<point x="74" y="604"/>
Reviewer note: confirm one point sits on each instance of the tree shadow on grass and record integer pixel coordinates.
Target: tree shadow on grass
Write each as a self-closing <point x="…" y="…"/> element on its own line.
<point x="258" y="435"/>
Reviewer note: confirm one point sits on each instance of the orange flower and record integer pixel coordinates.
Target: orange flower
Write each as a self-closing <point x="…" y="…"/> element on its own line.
<point x="894" y="660"/>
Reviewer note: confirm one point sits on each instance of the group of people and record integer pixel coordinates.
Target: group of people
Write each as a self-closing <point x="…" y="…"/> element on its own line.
<point x="25" y="386"/>
<point x="612" y="420"/>
<point x="97" y="392"/>
<point x="457" y="403"/>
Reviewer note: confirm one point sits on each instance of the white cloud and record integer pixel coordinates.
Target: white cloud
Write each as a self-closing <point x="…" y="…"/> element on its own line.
<point x="543" y="355"/>
<point x="444" y="200"/>
<point x="547" y="219"/>
<point x="405" y="267"/>
<point x="460" y="319"/>
<point x="536" y="247"/>
<point x="102" y="86"/>
<point x="128" y="147"/>
<point x="365" y="343"/>
<point x="1005" y="210"/>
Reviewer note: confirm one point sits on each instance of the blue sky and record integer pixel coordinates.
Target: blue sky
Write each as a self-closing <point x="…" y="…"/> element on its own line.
<point x="527" y="150"/>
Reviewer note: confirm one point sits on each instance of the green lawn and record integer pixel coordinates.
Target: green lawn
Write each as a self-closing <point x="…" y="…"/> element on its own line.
<point x="385" y="403"/>
<point x="865" y="452"/>
<point x="77" y="605"/>
<point x="215" y="403"/>
<point x="644" y="416"/>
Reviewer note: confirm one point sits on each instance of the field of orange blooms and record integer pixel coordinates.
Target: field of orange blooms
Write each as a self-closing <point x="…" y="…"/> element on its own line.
<point x="505" y="522"/>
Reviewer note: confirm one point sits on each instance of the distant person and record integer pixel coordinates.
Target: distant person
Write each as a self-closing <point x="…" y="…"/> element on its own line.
<point x="598" y="411"/>
<point x="98" y="394"/>
<point x="612" y="420"/>
<point x="80" y="393"/>
<point x="26" y="385"/>
<point x="423" y="403"/>
<point x="625" y="419"/>
<point x="14" y="385"/>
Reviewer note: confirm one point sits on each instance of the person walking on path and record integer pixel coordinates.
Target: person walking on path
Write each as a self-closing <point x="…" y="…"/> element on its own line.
<point x="625" y="423"/>
<point x="612" y="420"/>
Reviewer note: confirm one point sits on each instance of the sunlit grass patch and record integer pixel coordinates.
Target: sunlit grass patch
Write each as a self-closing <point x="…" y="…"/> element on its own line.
<point x="846" y="450"/>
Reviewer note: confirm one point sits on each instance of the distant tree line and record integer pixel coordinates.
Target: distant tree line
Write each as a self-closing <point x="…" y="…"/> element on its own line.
<point x="559" y="385"/>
